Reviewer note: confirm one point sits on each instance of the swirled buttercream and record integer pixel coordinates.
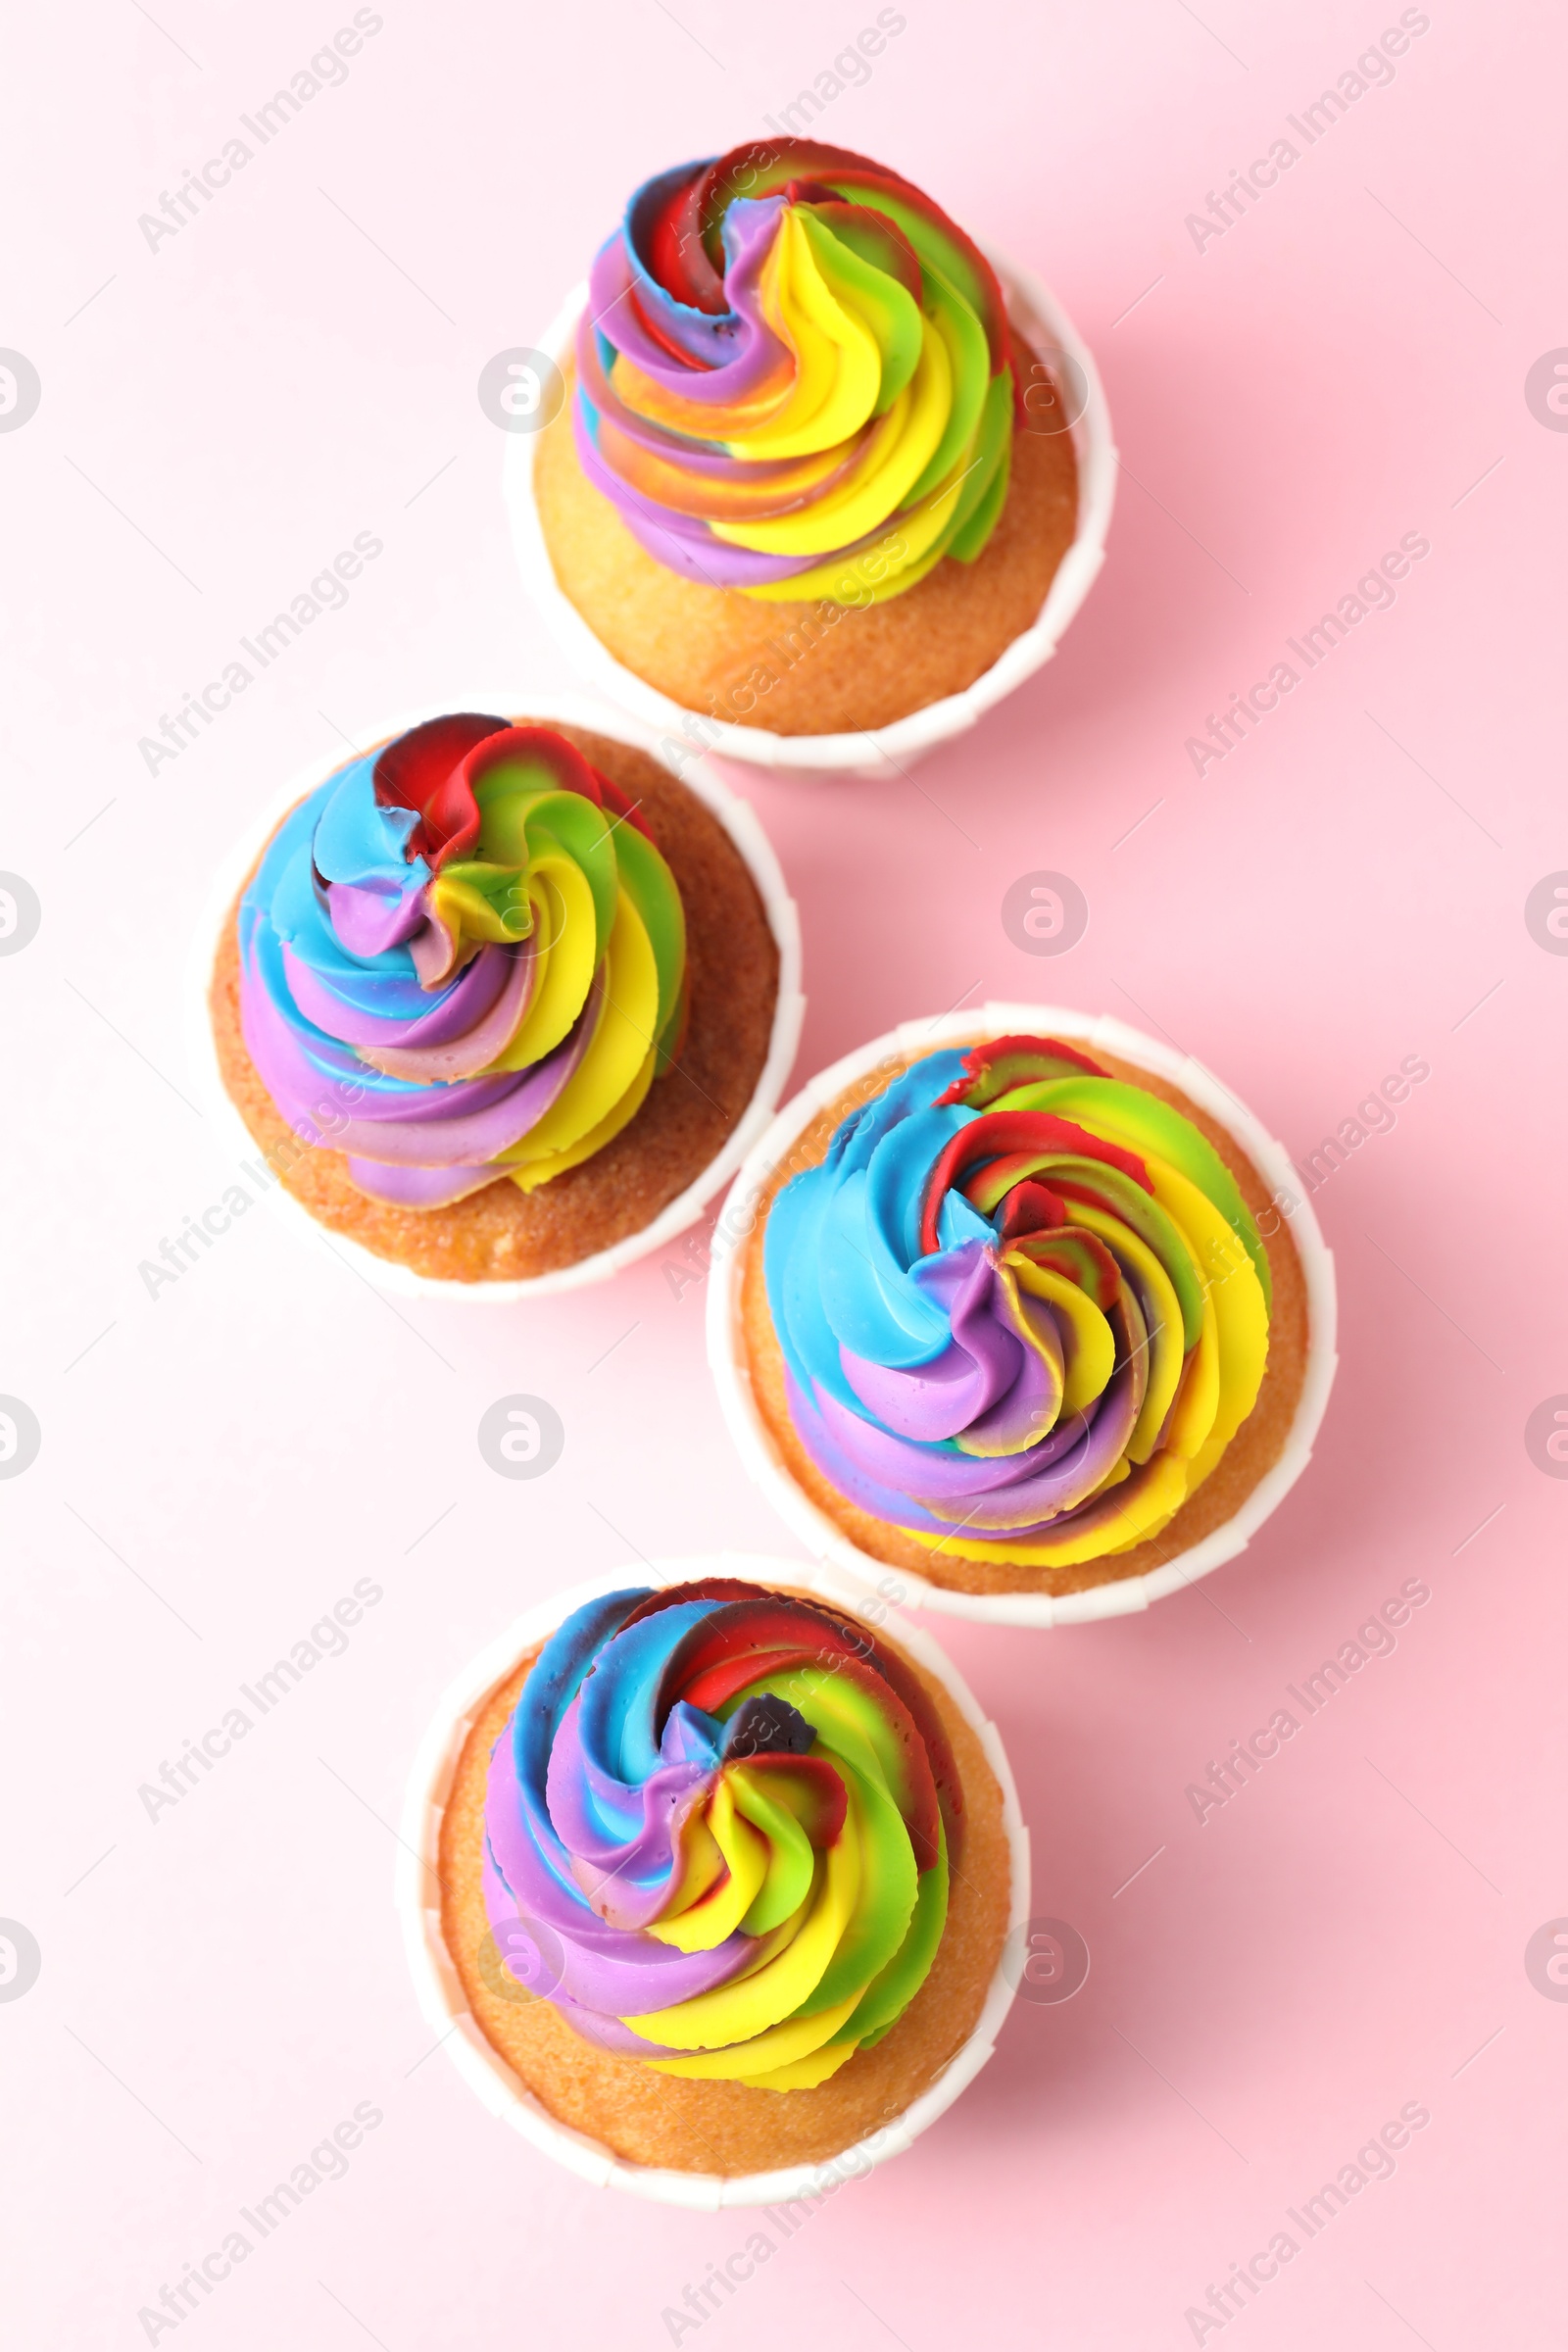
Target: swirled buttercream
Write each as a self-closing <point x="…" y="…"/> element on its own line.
<point x="794" y="376"/>
<point x="719" y="1828"/>
<point x="1022" y="1305"/>
<point x="461" y="960"/>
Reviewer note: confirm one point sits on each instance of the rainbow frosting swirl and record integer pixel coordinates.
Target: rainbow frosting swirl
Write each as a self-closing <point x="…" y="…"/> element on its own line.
<point x="794" y="376"/>
<point x="462" y="960"/>
<point x="1022" y="1305"/>
<point x="718" y="1833"/>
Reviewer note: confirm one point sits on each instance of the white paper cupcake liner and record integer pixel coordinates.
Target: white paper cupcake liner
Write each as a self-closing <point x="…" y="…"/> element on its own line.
<point x="235" y="1139"/>
<point x="726" y="1349"/>
<point x="1045" y="324"/>
<point x="439" y="1989"/>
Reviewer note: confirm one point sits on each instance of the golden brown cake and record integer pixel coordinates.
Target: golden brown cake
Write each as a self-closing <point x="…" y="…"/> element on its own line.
<point x="695" y="2124"/>
<point x="819" y="668"/>
<point x="499" y="1230"/>
<point x="1258" y="1393"/>
<point x="808" y="477"/>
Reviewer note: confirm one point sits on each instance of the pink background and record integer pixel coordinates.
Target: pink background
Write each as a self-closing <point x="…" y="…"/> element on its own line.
<point x="1345" y="364"/>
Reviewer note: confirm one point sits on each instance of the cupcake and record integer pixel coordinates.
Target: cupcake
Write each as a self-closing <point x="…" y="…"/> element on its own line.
<point x="1023" y="1319"/>
<point x="725" y="1877"/>
<point x="809" y="477"/>
<point x="497" y="1002"/>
